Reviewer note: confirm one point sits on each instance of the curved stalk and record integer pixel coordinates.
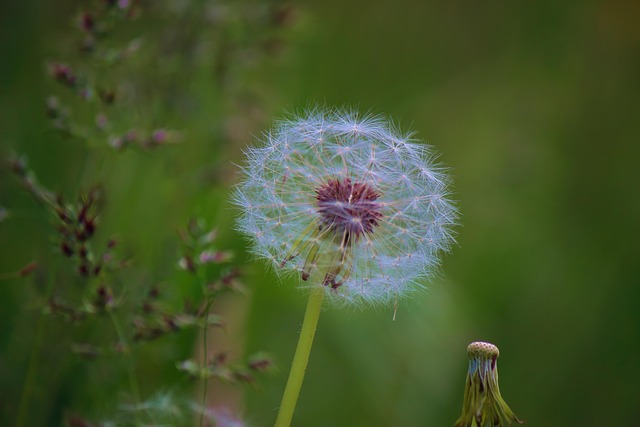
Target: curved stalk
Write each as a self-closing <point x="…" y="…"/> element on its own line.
<point x="300" y="359"/>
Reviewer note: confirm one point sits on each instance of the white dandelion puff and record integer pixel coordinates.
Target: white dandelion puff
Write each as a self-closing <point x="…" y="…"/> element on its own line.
<point x="347" y="202"/>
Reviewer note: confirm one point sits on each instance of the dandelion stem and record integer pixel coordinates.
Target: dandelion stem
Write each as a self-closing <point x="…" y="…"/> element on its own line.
<point x="300" y="359"/>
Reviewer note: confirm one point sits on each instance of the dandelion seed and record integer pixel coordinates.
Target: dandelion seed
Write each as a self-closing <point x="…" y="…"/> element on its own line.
<point x="348" y="202"/>
<point x="483" y="405"/>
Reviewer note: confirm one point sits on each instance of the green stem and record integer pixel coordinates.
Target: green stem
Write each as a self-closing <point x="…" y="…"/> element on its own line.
<point x="34" y="359"/>
<point x="204" y="355"/>
<point x="131" y="370"/>
<point x="300" y="359"/>
<point x="31" y="373"/>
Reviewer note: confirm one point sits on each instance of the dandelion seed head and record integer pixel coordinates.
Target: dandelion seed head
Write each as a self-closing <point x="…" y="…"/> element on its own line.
<point x="346" y="201"/>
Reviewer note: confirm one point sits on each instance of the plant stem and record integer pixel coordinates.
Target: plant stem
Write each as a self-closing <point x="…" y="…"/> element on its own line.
<point x="204" y="356"/>
<point x="131" y="370"/>
<point x="31" y="373"/>
<point x="34" y="360"/>
<point x="300" y="359"/>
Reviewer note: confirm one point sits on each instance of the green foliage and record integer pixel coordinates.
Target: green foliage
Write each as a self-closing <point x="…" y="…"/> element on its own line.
<point x="117" y="284"/>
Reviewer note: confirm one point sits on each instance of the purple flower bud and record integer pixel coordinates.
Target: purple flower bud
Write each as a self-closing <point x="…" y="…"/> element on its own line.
<point x="87" y="22"/>
<point x="66" y="249"/>
<point x="159" y="136"/>
<point x="63" y="74"/>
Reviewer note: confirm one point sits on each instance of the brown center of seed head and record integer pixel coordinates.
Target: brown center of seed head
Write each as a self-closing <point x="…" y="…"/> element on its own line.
<point x="348" y="208"/>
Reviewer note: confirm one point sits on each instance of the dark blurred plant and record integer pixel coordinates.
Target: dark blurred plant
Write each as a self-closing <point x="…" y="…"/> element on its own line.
<point x="116" y="86"/>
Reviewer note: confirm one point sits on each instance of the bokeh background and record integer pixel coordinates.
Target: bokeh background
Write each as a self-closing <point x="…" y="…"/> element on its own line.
<point x="534" y="107"/>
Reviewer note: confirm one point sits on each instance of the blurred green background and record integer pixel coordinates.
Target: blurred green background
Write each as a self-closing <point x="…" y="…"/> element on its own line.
<point x="533" y="105"/>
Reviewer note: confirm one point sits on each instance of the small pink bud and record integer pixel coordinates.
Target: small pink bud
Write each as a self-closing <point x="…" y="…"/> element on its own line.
<point x="63" y="74"/>
<point x="87" y="22"/>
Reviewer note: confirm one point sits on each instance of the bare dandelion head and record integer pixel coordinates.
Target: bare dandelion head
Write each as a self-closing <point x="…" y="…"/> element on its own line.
<point x="483" y="405"/>
<point x="347" y="202"/>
